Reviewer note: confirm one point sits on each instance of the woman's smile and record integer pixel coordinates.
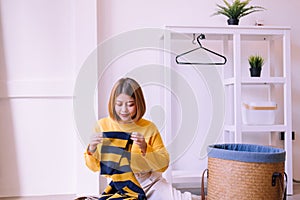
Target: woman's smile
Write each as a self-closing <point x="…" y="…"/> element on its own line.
<point x="125" y="108"/>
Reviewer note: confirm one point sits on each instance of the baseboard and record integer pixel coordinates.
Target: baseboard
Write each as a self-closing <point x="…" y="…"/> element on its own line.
<point x="46" y="197"/>
<point x="194" y="188"/>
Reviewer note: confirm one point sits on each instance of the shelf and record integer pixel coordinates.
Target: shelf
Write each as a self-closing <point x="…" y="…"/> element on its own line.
<point x="237" y="42"/>
<point x="257" y="128"/>
<point x="182" y="176"/>
<point x="248" y="30"/>
<point x="262" y="80"/>
<point x="256" y="81"/>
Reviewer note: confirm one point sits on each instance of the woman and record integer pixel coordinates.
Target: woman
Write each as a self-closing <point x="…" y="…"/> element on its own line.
<point x="149" y="157"/>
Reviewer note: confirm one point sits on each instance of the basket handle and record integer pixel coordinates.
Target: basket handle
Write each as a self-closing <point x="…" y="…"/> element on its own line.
<point x="202" y="184"/>
<point x="281" y="177"/>
<point x="285" y="187"/>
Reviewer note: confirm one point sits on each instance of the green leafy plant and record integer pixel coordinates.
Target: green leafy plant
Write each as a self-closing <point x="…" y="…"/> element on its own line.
<point x="256" y="61"/>
<point x="237" y="9"/>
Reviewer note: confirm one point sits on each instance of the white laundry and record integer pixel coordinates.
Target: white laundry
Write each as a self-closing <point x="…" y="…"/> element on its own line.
<point x="157" y="188"/>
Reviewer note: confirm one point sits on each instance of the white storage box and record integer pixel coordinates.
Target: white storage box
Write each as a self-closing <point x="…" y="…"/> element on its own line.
<point x="259" y="113"/>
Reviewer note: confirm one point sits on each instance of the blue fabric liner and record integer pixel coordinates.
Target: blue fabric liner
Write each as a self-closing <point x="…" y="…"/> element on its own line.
<point x="246" y="153"/>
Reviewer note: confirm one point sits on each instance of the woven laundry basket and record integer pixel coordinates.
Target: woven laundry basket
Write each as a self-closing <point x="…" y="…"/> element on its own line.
<point x="245" y="171"/>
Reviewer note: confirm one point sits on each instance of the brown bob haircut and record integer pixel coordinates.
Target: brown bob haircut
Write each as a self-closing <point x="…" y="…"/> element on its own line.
<point x="131" y="88"/>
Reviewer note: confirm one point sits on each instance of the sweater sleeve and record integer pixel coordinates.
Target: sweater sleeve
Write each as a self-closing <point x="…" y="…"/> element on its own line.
<point x="157" y="156"/>
<point x="155" y="159"/>
<point x="92" y="161"/>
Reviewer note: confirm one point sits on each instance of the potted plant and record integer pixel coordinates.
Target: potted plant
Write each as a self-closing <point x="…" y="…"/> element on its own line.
<point x="236" y="10"/>
<point x="256" y="62"/>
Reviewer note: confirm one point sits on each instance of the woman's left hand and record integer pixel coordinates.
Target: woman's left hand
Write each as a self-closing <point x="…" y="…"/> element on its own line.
<point x="140" y="141"/>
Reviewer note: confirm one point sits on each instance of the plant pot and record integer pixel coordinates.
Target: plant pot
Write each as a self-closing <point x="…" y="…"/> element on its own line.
<point x="233" y="21"/>
<point x="255" y="72"/>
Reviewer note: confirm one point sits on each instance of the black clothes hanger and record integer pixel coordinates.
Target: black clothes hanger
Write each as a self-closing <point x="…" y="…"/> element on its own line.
<point x="201" y="36"/>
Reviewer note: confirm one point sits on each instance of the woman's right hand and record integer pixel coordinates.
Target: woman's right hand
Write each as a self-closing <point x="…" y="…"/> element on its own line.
<point x="95" y="140"/>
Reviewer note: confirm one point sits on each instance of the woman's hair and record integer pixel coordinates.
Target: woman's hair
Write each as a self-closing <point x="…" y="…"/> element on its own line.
<point x="131" y="88"/>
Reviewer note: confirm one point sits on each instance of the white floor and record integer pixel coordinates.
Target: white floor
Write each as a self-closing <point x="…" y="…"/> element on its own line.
<point x="54" y="197"/>
<point x="296" y="196"/>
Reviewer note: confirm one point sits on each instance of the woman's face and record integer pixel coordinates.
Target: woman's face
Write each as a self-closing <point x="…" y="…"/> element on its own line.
<point x="125" y="108"/>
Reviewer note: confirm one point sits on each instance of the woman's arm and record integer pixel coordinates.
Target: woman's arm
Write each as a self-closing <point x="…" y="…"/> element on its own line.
<point x="152" y="158"/>
<point x="157" y="156"/>
<point x="92" y="161"/>
<point x="91" y="155"/>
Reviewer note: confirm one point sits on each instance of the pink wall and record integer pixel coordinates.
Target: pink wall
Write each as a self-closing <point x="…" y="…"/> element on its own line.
<point x="44" y="44"/>
<point x="118" y="17"/>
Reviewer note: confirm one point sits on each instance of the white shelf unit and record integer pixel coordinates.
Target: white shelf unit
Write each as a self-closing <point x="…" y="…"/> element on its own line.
<point x="232" y="39"/>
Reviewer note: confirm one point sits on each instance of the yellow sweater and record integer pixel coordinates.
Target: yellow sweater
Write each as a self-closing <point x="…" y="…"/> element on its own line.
<point x="156" y="157"/>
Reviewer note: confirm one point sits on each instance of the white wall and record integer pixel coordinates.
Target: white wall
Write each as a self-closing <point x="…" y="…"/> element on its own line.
<point x="43" y="45"/>
<point x="85" y="44"/>
<point x="118" y="17"/>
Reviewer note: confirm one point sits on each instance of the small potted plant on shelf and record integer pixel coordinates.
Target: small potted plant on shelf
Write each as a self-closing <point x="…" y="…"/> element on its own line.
<point x="236" y="10"/>
<point x="256" y="62"/>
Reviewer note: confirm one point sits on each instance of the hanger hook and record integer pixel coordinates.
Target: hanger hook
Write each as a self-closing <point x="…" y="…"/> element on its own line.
<point x="200" y="37"/>
<point x="194" y="38"/>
